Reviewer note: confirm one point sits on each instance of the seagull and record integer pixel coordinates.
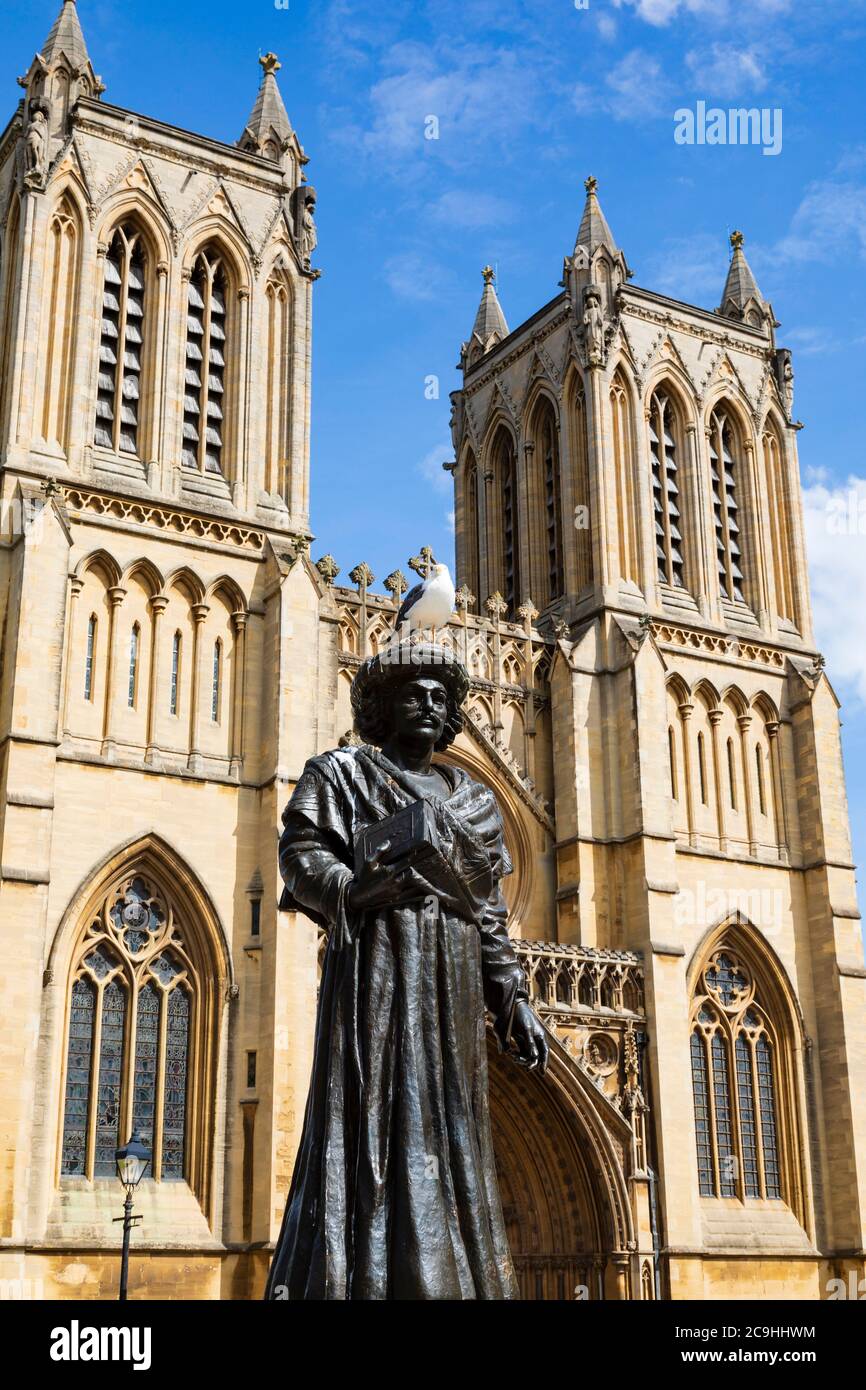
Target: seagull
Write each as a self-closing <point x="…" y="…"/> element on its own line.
<point x="430" y="603"/>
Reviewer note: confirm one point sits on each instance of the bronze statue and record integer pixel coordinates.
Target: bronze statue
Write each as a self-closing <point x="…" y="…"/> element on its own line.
<point x="394" y="1192"/>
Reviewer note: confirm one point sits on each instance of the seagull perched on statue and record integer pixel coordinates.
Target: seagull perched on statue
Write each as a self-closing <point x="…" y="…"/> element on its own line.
<point x="429" y="604"/>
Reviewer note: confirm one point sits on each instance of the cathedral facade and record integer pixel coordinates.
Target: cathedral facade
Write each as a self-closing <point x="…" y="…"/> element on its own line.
<point x="647" y="702"/>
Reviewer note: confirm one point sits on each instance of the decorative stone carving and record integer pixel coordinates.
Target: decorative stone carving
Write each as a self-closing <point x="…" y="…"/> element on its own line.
<point x="785" y="379"/>
<point x="593" y="326"/>
<point x="36" y="150"/>
<point x="303" y="210"/>
<point x="328" y="568"/>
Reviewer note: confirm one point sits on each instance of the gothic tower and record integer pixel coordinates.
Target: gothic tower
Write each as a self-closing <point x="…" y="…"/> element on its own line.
<point x="626" y="472"/>
<point x="159" y="687"/>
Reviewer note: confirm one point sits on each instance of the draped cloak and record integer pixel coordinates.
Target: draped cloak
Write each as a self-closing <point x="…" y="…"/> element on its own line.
<point x="394" y="1192"/>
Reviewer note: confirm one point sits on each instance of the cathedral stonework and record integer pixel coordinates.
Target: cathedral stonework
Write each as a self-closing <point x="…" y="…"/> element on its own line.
<point x="646" y="702"/>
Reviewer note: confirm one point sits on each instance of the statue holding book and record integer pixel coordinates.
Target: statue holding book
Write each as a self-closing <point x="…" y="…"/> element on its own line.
<point x="394" y="1193"/>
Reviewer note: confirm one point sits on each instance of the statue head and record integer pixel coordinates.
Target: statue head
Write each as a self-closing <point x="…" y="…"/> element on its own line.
<point x="411" y="690"/>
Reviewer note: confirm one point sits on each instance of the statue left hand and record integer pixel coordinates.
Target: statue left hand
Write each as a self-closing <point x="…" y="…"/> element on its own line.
<point x="530" y="1037"/>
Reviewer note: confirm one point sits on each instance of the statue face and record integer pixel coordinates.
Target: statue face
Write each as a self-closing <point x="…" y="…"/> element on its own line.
<point x="419" y="710"/>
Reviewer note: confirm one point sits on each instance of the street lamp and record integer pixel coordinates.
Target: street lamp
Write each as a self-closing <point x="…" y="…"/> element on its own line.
<point x="131" y="1162"/>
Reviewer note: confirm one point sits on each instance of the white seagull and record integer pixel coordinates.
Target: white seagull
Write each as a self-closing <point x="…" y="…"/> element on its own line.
<point x="430" y="603"/>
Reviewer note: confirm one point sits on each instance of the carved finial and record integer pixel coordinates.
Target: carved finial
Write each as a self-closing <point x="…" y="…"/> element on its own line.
<point x="362" y="575"/>
<point x="423" y="564"/>
<point x="397" y="584"/>
<point x="328" y="568"/>
<point x="464" y="598"/>
<point x="270" y="63"/>
<point x="528" y="612"/>
<point x="737" y="240"/>
<point x="591" y="184"/>
<point x="496" y="605"/>
<point x="489" y="274"/>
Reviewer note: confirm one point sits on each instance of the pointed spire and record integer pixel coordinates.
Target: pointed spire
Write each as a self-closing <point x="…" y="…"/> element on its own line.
<point x="594" y="231"/>
<point x="66" y="38"/>
<point x="490" y="318"/>
<point x="269" y="124"/>
<point x="740" y="286"/>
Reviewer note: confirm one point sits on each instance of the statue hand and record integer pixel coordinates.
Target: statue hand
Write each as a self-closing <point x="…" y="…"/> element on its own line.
<point x="530" y="1037"/>
<point x="382" y="885"/>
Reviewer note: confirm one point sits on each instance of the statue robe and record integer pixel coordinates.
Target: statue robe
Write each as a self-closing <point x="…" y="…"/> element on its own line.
<point x="394" y="1191"/>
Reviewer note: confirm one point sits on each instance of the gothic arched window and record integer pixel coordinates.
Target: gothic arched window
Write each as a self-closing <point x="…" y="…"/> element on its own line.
<point x="724" y="476"/>
<point x="469" y="525"/>
<point x="204" y="403"/>
<point x="667" y="506"/>
<point x="626" y="496"/>
<point x="549" y="461"/>
<point x="503" y="564"/>
<point x="131" y="1035"/>
<point x="580" y="485"/>
<point x="736" y="1070"/>
<point x="277" y="295"/>
<point x="121" y="344"/>
<point x="57" y="354"/>
<point x="778" y="515"/>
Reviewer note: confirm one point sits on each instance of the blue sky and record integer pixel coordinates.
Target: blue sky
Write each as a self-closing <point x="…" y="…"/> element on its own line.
<point x="530" y="97"/>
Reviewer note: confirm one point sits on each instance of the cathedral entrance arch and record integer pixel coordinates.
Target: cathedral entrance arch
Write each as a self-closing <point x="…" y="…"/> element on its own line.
<point x="562" y="1183"/>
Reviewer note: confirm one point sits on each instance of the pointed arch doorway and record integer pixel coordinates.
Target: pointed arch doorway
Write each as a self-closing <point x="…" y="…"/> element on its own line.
<point x="564" y="1199"/>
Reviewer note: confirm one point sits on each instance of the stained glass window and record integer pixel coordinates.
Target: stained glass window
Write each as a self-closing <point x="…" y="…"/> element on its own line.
<point x="748" y="1131"/>
<point x="724" y="1127"/>
<point x="176" y="1063"/>
<point x="132" y="1011"/>
<point x="110" y="1078"/>
<point x="726" y="980"/>
<point x="767" y="1104"/>
<point x="79" y="1055"/>
<point x="737" y="1133"/>
<point x="702" y="1117"/>
<point x="146" y="1060"/>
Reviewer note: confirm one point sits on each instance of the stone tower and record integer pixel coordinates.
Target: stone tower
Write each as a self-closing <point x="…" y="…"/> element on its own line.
<point x="159" y="687"/>
<point x="626" y="470"/>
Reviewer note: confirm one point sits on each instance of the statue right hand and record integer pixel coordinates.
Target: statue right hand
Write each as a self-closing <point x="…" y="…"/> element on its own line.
<point x="382" y="885"/>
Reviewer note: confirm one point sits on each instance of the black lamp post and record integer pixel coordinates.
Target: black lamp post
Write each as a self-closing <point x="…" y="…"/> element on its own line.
<point x="131" y="1162"/>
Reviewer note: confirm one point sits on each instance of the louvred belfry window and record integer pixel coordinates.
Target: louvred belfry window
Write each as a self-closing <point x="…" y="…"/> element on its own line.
<point x="723" y="475"/>
<point x="205" y="366"/>
<point x="130" y="1036"/>
<point x="121" y="344"/>
<point x="734" y="1081"/>
<point x="666" y="492"/>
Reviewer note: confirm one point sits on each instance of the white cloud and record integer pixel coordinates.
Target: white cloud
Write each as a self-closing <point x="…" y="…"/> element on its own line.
<point x="812" y="341"/>
<point x="469" y="209"/>
<point x="414" y="276"/>
<point x="477" y="95"/>
<point x="727" y="69"/>
<point x="431" y="468"/>
<point x="830" y="221"/>
<point x="690" y="268"/>
<point x="835" y="518"/>
<point x="661" y="12"/>
<point x="636" y="87"/>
